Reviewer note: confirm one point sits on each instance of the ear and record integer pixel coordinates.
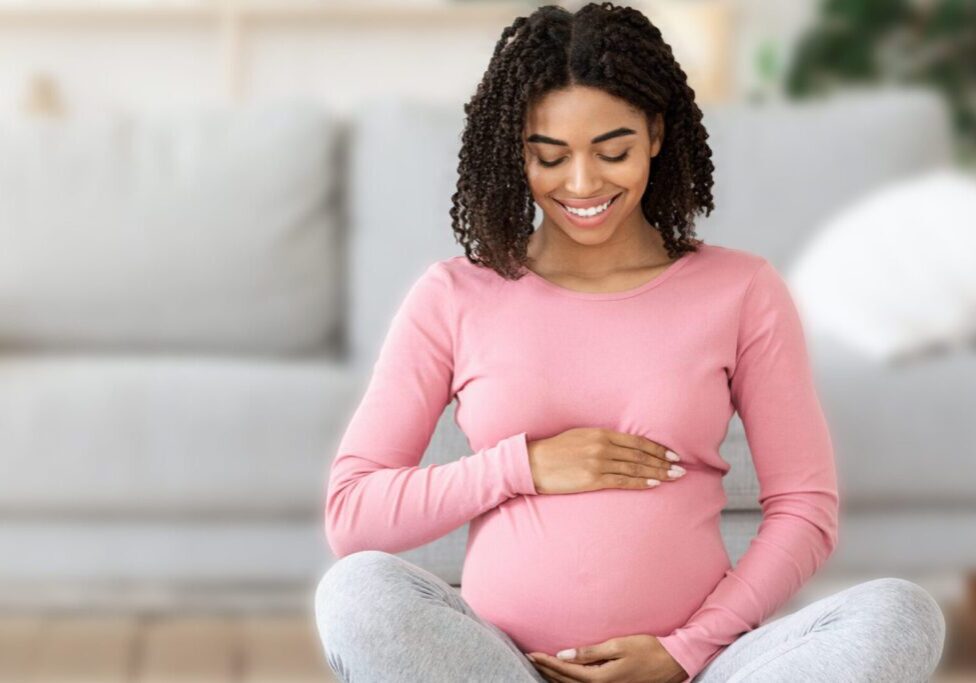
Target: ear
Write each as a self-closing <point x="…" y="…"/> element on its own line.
<point x="656" y="130"/>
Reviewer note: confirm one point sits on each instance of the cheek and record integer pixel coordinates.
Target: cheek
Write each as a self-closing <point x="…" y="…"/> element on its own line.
<point x="633" y="176"/>
<point x="540" y="183"/>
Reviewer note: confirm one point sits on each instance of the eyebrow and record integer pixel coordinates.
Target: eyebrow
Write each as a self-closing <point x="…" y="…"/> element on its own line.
<point x="537" y="137"/>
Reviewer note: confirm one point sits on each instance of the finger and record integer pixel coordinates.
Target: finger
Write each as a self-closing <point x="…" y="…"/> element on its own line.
<point x="612" y="480"/>
<point x="553" y="675"/>
<point x="578" y="673"/>
<point x="639" y="443"/>
<point x="549" y="676"/>
<point x="546" y="672"/>
<point x="624" y="461"/>
<point x="628" y="454"/>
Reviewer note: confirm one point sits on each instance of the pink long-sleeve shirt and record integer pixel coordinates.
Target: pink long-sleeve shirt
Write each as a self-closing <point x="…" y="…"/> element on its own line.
<point x="671" y="360"/>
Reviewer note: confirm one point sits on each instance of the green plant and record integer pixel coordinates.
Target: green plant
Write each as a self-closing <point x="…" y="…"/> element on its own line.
<point x="863" y="42"/>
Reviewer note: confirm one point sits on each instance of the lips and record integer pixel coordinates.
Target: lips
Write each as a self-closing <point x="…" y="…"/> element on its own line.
<point x="586" y="203"/>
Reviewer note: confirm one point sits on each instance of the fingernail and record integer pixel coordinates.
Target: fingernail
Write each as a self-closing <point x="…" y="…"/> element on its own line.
<point x="676" y="471"/>
<point x="566" y="654"/>
<point x="671" y="455"/>
<point x="653" y="482"/>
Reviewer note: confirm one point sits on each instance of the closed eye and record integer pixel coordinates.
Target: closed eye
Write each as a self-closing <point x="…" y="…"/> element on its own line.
<point x="617" y="159"/>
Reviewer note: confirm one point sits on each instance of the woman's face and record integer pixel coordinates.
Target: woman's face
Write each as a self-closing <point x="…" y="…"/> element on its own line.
<point x="584" y="146"/>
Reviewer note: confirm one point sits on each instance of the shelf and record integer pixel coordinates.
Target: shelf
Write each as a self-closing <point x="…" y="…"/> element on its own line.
<point x="43" y="12"/>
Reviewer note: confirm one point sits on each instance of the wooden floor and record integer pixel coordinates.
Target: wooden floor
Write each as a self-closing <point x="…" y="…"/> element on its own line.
<point x="108" y="649"/>
<point x="94" y="649"/>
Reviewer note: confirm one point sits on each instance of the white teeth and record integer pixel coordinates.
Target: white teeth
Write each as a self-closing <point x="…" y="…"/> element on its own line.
<point x="592" y="211"/>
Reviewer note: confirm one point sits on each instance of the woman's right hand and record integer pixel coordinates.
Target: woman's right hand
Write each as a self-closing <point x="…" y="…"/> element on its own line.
<point x="592" y="458"/>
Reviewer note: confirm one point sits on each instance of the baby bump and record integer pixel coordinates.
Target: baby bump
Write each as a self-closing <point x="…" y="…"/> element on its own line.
<point x="557" y="571"/>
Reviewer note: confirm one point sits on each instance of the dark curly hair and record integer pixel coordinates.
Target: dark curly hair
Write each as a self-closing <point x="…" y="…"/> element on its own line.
<point x="616" y="49"/>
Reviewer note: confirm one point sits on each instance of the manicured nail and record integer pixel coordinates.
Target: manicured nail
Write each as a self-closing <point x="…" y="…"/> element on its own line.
<point x="676" y="471"/>
<point x="671" y="455"/>
<point x="566" y="654"/>
<point x="653" y="482"/>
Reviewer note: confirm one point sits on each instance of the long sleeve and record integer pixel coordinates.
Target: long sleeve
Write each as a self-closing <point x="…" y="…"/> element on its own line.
<point x="772" y="389"/>
<point x="378" y="497"/>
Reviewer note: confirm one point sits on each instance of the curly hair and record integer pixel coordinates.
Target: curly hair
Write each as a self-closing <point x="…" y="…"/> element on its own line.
<point x="616" y="49"/>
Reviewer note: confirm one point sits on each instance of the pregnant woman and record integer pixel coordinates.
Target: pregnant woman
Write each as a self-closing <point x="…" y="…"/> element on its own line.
<point x="596" y="362"/>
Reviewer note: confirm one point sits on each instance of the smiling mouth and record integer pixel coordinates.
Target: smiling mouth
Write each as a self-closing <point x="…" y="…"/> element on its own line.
<point x="615" y="197"/>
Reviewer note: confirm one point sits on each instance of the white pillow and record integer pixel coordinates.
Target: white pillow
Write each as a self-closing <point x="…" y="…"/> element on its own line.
<point x="894" y="274"/>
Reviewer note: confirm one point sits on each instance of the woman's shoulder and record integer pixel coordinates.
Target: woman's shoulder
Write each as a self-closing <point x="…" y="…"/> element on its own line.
<point x="716" y="268"/>
<point x="460" y="267"/>
<point x="729" y="260"/>
<point x="467" y="279"/>
<point x="447" y="283"/>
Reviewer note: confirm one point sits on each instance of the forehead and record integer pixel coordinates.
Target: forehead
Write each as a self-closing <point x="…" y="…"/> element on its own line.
<point x="580" y="113"/>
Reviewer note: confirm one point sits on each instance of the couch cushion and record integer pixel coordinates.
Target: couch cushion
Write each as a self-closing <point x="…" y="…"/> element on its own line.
<point x="781" y="168"/>
<point x="128" y="435"/>
<point x="204" y="230"/>
<point x="399" y="209"/>
<point x="904" y="435"/>
<point x="204" y="552"/>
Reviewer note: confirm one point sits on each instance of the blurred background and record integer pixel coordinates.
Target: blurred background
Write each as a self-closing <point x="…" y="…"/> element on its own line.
<point x="210" y="210"/>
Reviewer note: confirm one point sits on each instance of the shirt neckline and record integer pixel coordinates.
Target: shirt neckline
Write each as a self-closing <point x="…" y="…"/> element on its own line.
<point x="655" y="281"/>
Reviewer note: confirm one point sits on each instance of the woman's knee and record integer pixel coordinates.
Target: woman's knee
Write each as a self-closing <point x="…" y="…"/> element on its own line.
<point x="342" y="613"/>
<point x="349" y="574"/>
<point x="912" y="610"/>
<point x="913" y="600"/>
<point x="347" y="582"/>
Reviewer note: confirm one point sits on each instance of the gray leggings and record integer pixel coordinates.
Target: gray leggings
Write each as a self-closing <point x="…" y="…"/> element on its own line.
<point x="384" y="619"/>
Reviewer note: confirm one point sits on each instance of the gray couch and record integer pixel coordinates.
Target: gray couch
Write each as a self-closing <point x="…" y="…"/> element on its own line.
<point x="190" y="306"/>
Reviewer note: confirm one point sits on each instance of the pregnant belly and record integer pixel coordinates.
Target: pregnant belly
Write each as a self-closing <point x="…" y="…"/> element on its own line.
<point x="561" y="571"/>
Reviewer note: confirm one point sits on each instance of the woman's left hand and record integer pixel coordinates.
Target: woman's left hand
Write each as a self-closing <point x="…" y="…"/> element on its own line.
<point x="628" y="659"/>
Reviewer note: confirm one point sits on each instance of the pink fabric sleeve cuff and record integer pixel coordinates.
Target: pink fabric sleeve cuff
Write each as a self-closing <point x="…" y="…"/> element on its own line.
<point x="692" y="659"/>
<point x="514" y="455"/>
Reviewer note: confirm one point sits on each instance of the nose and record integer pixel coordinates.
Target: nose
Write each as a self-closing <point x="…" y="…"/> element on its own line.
<point x="583" y="180"/>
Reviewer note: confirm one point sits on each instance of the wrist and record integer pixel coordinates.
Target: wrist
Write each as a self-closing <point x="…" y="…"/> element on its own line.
<point x="676" y="671"/>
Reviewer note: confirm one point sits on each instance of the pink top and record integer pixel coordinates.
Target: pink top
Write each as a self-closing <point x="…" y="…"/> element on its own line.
<point x="671" y="360"/>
